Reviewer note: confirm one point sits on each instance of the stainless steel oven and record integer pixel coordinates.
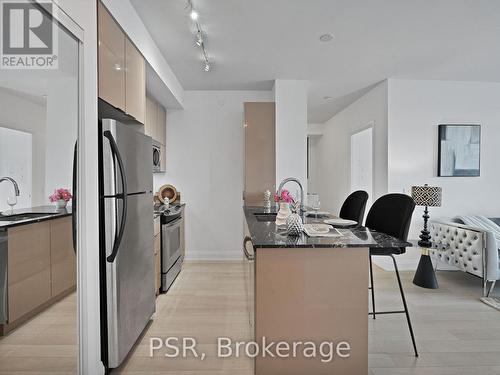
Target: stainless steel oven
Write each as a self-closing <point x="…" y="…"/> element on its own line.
<point x="171" y="256"/>
<point x="156" y="157"/>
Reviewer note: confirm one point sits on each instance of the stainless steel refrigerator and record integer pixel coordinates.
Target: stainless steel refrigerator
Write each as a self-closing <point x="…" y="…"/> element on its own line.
<point x="126" y="238"/>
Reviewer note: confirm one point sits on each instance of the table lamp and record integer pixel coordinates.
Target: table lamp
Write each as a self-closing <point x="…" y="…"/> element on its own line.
<point x="427" y="196"/>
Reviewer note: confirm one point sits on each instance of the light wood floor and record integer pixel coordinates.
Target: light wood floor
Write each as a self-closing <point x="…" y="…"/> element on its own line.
<point x="456" y="333"/>
<point x="44" y="345"/>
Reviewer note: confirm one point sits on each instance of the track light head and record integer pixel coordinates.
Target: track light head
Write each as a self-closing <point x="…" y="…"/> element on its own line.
<point x="194" y="15"/>
<point x="199" y="38"/>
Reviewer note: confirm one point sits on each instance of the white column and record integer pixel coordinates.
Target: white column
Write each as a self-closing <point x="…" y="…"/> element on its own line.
<point x="291" y="130"/>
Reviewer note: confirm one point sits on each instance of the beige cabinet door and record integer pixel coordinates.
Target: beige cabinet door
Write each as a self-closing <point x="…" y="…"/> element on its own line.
<point x="163" y="165"/>
<point x="162" y="125"/>
<point x="28" y="268"/>
<point x="260" y="151"/>
<point x="151" y="118"/>
<point x="62" y="256"/>
<point x="111" y="59"/>
<point x="135" y="82"/>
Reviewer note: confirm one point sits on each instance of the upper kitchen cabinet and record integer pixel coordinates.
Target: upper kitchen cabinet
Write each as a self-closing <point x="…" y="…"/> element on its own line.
<point x="162" y="125"/>
<point x="156" y="121"/>
<point x="122" y="68"/>
<point x="151" y="116"/>
<point x="135" y="82"/>
<point x="111" y="59"/>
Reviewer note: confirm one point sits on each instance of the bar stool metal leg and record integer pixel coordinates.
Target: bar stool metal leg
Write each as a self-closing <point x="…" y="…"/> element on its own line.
<point x="405" y="306"/>
<point x="372" y="287"/>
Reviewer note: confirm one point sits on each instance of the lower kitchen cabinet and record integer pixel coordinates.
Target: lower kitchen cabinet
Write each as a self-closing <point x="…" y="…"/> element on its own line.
<point x="28" y="268"/>
<point x="62" y="256"/>
<point x="41" y="267"/>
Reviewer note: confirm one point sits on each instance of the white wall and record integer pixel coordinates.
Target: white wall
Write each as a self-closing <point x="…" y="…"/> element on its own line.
<point x="20" y="112"/>
<point x="16" y="162"/>
<point x="62" y="127"/>
<point x="205" y="154"/>
<point x="334" y="180"/>
<point x="291" y="131"/>
<point x="416" y="108"/>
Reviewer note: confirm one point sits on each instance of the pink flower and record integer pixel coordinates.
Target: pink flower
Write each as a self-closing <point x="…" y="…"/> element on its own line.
<point x="59" y="194"/>
<point x="285" y="197"/>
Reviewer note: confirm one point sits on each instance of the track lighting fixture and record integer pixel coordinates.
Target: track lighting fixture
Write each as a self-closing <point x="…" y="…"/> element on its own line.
<point x="200" y="36"/>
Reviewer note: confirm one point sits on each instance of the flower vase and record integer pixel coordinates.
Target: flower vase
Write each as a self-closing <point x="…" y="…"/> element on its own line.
<point x="60" y="204"/>
<point x="283" y="213"/>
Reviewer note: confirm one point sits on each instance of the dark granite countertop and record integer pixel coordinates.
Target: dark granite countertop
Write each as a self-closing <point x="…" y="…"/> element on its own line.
<point x="268" y="235"/>
<point x="47" y="213"/>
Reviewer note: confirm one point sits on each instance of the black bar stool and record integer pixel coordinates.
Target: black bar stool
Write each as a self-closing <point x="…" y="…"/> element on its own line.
<point x="354" y="207"/>
<point x="391" y="214"/>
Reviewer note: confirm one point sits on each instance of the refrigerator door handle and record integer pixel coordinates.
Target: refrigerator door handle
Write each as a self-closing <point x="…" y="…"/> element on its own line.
<point x="73" y="204"/>
<point x="123" y="195"/>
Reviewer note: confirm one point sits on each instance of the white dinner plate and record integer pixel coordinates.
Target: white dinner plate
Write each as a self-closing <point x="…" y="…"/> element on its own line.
<point x="337" y="222"/>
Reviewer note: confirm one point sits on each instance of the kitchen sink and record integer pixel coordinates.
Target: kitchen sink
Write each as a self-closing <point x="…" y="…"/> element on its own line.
<point x="25" y="216"/>
<point x="262" y="216"/>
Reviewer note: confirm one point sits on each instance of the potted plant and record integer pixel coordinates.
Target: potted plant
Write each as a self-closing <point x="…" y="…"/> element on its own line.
<point x="61" y="197"/>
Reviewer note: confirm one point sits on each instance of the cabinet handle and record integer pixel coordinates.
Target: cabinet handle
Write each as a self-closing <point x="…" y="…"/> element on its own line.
<point x="245" y="251"/>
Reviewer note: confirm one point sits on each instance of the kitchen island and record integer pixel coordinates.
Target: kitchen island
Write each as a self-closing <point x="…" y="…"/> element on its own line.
<point x="306" y="291"/>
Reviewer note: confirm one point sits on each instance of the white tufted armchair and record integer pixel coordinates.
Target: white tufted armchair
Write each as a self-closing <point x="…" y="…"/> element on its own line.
<point x="471" y="250"/>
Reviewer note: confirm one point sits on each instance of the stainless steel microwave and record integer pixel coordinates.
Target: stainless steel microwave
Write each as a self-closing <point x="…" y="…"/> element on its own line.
<point x="156" y="157"/>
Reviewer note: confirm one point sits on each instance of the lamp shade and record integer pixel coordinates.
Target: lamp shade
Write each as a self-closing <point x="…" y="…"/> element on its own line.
<point x="426" y="195"/>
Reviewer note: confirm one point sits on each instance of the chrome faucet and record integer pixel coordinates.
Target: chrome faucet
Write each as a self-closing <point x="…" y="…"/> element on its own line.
<point x="14" y="183"/>
<point x="293" y="179"/>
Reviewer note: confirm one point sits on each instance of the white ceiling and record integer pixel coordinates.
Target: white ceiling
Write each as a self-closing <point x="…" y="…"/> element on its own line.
<point x="253" y="42"/>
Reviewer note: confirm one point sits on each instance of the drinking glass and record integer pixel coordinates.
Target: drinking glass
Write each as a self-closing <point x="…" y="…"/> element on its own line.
<point x="314" y="202"/>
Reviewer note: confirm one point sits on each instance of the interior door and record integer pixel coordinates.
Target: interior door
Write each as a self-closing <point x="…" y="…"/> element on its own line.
<point x="362" y="162"/>
<point x="260" y="151"/>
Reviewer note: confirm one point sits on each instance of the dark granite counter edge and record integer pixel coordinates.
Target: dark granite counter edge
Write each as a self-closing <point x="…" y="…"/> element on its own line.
<point x="52" y="214"/>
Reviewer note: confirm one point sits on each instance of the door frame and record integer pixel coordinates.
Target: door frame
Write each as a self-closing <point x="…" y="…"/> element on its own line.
<point x="65" y="21"/>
